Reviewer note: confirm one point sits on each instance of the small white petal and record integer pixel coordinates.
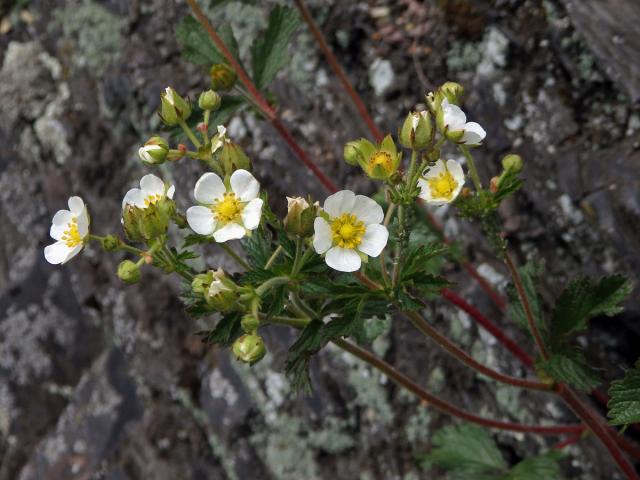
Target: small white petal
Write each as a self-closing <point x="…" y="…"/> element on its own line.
<point x="322" y="238"/>
<point x="201" y="220"/>
<point x="171" y="192"/>
<point x="231" y="231"/>
<point x="453" y="115"/>
<point x="244" y="185"/>
<point x="76" y="205"/>
<point x="144" y="155"/>
<point x="455" y="169"/>
<point x="367" y="210"/>
<point x="152" y="185"/>
<point x="343" y="259"/>
<point x="133" y="197"/>
<point x="72" y="253"/>
<point x="435" y="170"/>
<point x="83" y="223"/>
<point x="56" y="253"/>
<point x="209" y="188"/>
<point x="59" y="223"/>
<point x="374" y="240"/>
<point x="473" y="134"/>
<point x="425" y="191"/>
<point x="251" y="214"/>
<point x="339" y="203"/>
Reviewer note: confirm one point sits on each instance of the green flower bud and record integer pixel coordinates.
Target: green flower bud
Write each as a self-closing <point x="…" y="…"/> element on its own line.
<point x="128" y="272"/>
<point x="249" y="348"/>
<point x="513" y="163"/>
<point x="201" y="282"/>
<point x="415" y="132"/>
<point x="221" y="293"/>
<point x="173" y="107"/>
<point x="154" y="152"/>
<point x="351" y="153"/>
<point x="300" y="217"/>
<point x="110" y="243"/>
<point x="209" y="100"/>
<point x="223" y="77"/>
<point x="144" y="224"/>
<point x="249" y="323"/>
<point x="452" y="91"/>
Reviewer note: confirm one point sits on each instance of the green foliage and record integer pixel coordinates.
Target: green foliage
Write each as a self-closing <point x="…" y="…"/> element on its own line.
<point x="225" y="332"/>
<point x="530" y="274"/>
<point x="467" y="452"/>
<point x="624" y="404"/>
<point x="585" y="299"/>
<point x="507" y="187"/>
<point x="269" y="50"/>
<point x="568" y="365"/>
<point x="416" y="275"/>
<point x="197" y="46"/>
<point x="258" y="248"/>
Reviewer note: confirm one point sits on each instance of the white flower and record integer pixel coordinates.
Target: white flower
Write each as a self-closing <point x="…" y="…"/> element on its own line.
<point x="220" y="139"/>
<point x="227" y="214"/>
<point x="352" y="231"/>
<point x="152" y="190"/>
<point x="455" y="120"/>
<point x="217" y="286"/>
<point x="441" y="183"/>
<point x="70" y="228"/>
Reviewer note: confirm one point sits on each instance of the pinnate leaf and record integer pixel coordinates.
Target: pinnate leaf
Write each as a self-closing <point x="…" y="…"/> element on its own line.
<point x="624" y="404"/>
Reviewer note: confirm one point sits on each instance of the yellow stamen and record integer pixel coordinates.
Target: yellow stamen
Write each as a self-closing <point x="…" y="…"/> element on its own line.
<point x="347" y="231"/>
<point x="443" y="186"/>
<point x="151" y="199"/>
<point x="382" y="159"/>
<point x="71" y="236"/>
<point x="228" y="209"/>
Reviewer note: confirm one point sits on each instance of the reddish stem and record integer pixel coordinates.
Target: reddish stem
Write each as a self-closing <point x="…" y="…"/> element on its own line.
<point x="567" y="441"/>
<point x="338" y="70"/>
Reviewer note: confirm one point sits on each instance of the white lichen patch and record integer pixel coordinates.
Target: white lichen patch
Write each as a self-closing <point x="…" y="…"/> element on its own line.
<point x="494" y="47"/>
<point x="381" y="75"/>
<point x="221" y="388"/>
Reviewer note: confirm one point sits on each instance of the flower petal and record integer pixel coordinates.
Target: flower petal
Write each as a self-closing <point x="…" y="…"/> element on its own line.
<point x="367" y="210"/>
<point x="201" y="220"/>
<point x="152" y="185"/>
<point x="244" y="185"/>
<point x="425" y="191"/>
<point x="339" y="203"/>
<point x="76" y="205"/>
<point x="374" y="240"/>
<point x="209" y="188"/>
<point x="73" y="252"/>
<point x="435" y="170"/>
<point x="171" y="192"/>
<point x="473" y="134"/>
<point x="133" y="197"/>
<point x="343" y="259"/>
<point x="59" y="223"/>
<point x="456" y="171"/>
<point x="322" y="238"/>
<point x="231" y="231"/>
<point x="453" y="115"/>
<point x="251" y="214"/>
<point x="56" y="253"/>
<point x="83" y="223"/>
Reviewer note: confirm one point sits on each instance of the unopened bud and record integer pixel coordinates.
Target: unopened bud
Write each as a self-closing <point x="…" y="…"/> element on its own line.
<point x="209" y="100"/>
<point x="300" y="216"/>
<point x="351" y="153"/>
<point x="110" y="243"/>
<point x="513" y="163"/>
<point x="452" y="91"/>
<point x="493" y="184"/>
<point x="128" y="272"/>
<point x="233" y="158"/>
<point x="154" y="152"/>
<point x="415" y="132"/>
<point x="173" y="108"/>
<point x="249" y="348"/>
<point x="466" y="192"/>
<point x="223" y="77"/>
<point x="249" y="323"/>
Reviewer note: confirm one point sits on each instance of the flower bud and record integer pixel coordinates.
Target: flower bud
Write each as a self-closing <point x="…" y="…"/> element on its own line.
<point x="415" y="132"/>
<point x="300" y="216"/>
<point x="249" y="348"/>
<point x="512" y="163"/>
<point x="494" y="184"/>
<point x="351" y="154"/>
<point x="223" y="77"/>
<point x="144" y="224"/>
<point x="128" y="272"/>
<point x="154" y="152"/>
<point x="110" y="243"/>
<point x="209" y="100"/>
<point x="173" y="108"/>
<point x="201" y="282"/>
<point x="218" y="290"/>
<point x="452" y="91"/>
<point x="249" y="323"/>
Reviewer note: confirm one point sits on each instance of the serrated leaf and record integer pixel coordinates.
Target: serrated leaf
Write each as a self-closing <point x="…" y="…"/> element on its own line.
<point x="269" y="50"/>
<point x="570" y="367"/>
<point x="585" y="299"/>
<point x="225" y="332"/>
<point x="297" y="364"/>
<point x="624" y="403"/>
<point x="540" y="467"/>
<point x="197" y="46"/>
<point x="508" y="186"/>
<point x="258" y="248"/>
<point x="530" y="274"/>
<point x="466" y="449"/>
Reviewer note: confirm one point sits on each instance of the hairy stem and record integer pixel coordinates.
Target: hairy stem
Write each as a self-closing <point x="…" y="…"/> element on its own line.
<point x="473" y="172"/>
<point x="189" y="133"/>
<point x="273" y="257"/>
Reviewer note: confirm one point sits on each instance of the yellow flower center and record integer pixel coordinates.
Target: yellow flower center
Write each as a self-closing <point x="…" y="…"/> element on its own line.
<point x="228" y="209"/>
<point x="382" y="159"/>
<point x="151" y="199"/>
<point x="71" y="236"/>
<point x="347" y="231"/>
<point x="442" y="186"/>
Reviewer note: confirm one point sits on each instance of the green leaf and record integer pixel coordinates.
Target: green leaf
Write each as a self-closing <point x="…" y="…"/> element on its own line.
<point x="225" y="332"/>
<point x="197" y="46"/>
<point x="297" y="364"/>
<point x="585" y="299"/>
<point x="530" y="274"/>
<point x="258" y="248"/>
<point x="540" y="467"/>
<point x="570" y="367"/>
<point x="466" y="449"/>
<point x="509" y="185"/>
<point x="269" y="50"/>
<point x="624" y="404"/>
